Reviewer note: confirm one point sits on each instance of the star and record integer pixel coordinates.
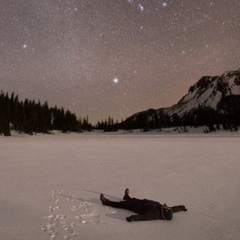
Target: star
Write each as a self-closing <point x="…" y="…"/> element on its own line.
<point x="116" y="80"/>
<point x="141" y="7"/>
<point x="164" y="4"/>
<point x="141" y="47"/>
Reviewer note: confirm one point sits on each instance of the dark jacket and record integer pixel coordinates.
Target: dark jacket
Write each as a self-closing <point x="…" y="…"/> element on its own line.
<point x="149" y="210"/>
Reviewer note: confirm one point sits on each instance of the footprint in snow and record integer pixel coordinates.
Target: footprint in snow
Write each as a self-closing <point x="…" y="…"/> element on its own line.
<point x="67" y="213"/>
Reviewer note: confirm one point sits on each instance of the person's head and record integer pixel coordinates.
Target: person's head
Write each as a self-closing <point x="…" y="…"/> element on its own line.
<point x="167" y="211"/>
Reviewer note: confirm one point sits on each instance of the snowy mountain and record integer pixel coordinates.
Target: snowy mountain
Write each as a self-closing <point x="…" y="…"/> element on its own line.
<point x="208" y="92"/>
<point x="216" y="93"/>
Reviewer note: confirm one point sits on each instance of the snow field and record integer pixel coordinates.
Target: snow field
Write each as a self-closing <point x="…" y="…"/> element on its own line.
<point x="50" y="185"/>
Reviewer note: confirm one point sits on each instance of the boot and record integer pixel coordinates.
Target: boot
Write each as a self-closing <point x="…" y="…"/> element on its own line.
<point x="104" y="200"/>
<point x="126" y="195"/>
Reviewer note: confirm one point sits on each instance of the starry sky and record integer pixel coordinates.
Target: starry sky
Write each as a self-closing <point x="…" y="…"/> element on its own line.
<point x="114" y="57"/>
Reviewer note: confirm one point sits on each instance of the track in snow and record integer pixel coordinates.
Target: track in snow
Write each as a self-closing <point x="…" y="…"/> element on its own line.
<point x="69" y="213"/>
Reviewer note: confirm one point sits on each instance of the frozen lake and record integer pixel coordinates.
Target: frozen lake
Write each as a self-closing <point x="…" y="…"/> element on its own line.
<point x="50" y="185"/>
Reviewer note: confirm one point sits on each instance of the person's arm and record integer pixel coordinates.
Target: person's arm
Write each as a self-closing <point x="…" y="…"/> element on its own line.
<point x="136" y="218"/>
<point x="178" y="208"/>
<point x="145" y="217"/>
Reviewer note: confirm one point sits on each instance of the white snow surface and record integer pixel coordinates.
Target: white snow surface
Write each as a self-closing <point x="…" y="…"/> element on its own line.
<point x="235" y="89"/>
<point x="193" y="100"/>
<point x="50" y="185"/>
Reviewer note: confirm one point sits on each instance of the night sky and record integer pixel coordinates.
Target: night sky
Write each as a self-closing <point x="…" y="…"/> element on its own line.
<point x="114" y="57"/>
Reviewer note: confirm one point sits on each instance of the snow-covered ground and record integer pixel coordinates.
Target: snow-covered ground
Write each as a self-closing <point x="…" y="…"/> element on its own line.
<point x="50" y="185"/>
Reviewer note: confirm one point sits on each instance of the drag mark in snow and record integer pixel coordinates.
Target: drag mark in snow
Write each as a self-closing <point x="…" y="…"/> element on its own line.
<point x="67" y="214"/>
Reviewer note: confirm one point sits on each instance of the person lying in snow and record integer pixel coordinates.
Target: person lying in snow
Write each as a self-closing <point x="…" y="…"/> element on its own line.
<point x="146" y="209"/>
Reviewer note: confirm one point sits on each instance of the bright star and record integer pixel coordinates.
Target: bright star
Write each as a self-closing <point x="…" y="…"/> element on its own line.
<point x="116" y="80"/>
<point x="141" y="7"/>
<point x="164" y="4"/>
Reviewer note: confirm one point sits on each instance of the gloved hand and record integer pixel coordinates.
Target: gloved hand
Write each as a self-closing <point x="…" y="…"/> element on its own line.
<point x="184" y="208"/>
<point x="130" y="218"/>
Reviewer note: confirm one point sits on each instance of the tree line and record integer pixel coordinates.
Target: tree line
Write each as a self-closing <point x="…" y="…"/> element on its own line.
<point x="34" y="117"/>
<point x="226" y="115"/>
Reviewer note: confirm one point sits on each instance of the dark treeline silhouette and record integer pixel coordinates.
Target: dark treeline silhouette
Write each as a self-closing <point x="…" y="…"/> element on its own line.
<point x="29" y="117"/>
<point x="33" y="117"/>
<point x="227" y="115"/>
<point x="107" y="125"/>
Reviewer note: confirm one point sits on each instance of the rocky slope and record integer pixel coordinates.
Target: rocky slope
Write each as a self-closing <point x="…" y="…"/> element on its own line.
<point x="210" y="92"/>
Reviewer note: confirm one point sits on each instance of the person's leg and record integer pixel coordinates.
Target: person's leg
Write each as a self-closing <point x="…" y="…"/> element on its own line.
<point x="126" y="197"/>
<point x="122" y="204"/>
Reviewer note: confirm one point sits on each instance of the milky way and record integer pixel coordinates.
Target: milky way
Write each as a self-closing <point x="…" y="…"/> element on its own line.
<point x="114" y="57"/>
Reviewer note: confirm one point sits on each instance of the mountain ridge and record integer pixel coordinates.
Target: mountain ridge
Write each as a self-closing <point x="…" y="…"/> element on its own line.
<point x="209" y="92"/>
